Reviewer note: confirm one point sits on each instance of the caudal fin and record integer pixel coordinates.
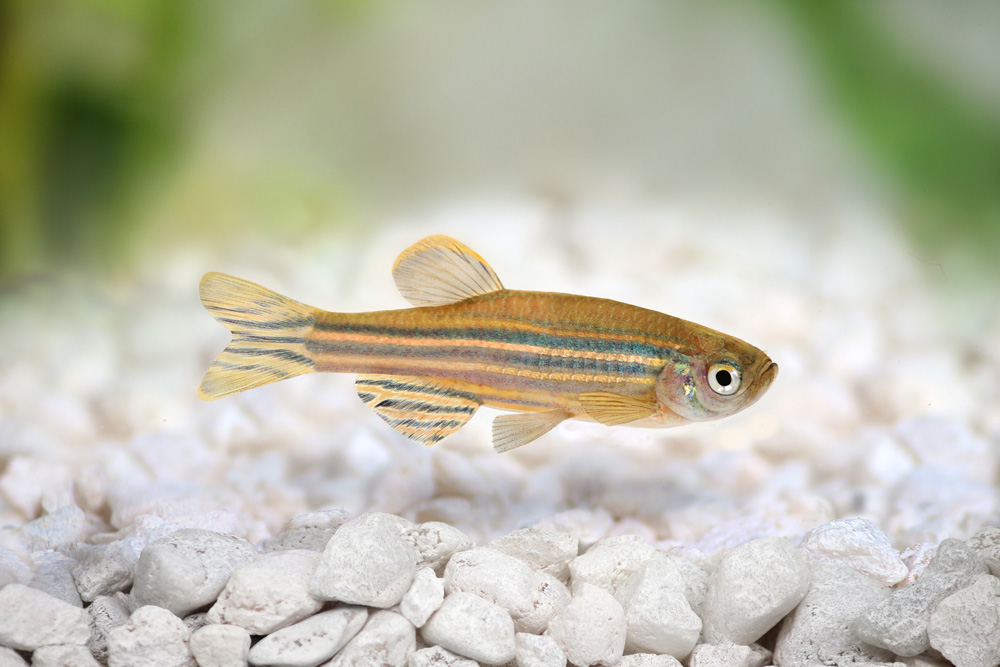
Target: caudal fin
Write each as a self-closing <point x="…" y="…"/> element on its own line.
<point x="269" y="335"/>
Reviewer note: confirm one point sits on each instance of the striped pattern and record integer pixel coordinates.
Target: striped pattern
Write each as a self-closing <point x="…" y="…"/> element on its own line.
<point x="269" y="335"/>
<point x="471" y="342"/>
<point x="527" y="351"/>
<point x="419" y="409"/>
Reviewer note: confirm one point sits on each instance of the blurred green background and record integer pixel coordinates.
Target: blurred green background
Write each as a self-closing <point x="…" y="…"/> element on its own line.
<point x="128" y="125"/>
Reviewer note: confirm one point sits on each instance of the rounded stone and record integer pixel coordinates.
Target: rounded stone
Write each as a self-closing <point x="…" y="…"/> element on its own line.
<point x="753" y="587"/>
<point x="188" y="569"/>
<point x="591" y="629"/>
<point x="470" y="626"/>
<point x="366" y="562"/>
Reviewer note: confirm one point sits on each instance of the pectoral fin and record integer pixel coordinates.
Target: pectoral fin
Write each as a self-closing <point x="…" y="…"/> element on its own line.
<point x="420" y="409"/>
<point x="612" y="409"/>
<point x="512" y="431"/>
<point x="440" y="270"/>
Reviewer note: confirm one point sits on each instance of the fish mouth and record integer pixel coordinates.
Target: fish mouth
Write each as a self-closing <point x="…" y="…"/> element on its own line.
<point x="769" y="372"/>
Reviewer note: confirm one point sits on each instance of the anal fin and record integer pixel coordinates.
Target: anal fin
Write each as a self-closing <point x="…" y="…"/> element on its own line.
<point x="419" y="408"/>
<point x="612" y="409"/>
<point x="512" y="431"/>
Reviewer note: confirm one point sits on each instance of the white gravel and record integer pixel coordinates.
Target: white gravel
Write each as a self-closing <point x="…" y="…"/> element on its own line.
<point x="30" y="618"/>
<point x="591" y="629"/>
<point x="311" y="641"/>
<point x="270" y="593"/>
<point x="473" y="627"/>
<point x="188" y="569"/>
<point x="152" y="636"/>
<point x="425" y="596"/>
<point x="813" y="523"/>
<point x="755" y="586"/>
<point x="220" y="646"/>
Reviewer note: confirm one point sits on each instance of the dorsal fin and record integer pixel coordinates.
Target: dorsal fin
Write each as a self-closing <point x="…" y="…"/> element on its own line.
<point x="440" y="270"/>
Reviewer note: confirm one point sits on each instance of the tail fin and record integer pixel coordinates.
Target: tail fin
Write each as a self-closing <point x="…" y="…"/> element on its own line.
<point x="269" y="335"/>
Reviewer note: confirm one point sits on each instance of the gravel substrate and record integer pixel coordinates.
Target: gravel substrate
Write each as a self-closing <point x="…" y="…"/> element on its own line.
<point x="844" y="519"/>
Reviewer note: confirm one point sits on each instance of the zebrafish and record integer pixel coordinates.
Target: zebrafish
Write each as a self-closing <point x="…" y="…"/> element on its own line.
<point x="471" y="342"/>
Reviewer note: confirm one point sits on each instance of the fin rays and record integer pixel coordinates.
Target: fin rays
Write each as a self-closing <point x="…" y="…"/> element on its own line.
<point x="439" y="270"/>
<point x="513" y="431"/>
<point x="269" y="335"/>
<point x="420" y="409"/>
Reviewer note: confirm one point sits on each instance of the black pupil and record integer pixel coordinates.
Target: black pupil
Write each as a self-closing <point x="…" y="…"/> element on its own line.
<point x="724" y="378"/>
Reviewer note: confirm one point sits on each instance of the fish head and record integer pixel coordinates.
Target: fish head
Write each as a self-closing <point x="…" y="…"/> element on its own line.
<point x="721" y="377"/>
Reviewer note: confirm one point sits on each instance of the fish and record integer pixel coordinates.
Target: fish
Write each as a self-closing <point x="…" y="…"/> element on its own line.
<point x="468" y="342"/>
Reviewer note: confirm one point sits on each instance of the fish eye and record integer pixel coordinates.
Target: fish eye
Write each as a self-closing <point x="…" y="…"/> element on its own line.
<point x="724" y="378"/>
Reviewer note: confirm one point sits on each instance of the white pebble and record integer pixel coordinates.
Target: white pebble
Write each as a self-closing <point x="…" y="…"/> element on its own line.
<point x="13" y="570"/>
<point x="948" y="444"/>
<point x="424" y="597"/>
<point x="308" y="531"/>
<point x="270" y="593"/>
<point x="106" y="613"/>
<point x="435" y="656"/>
<point x="591" y="629"/>
<point x="648" y="660"/>
<point x="609" y="563"/>
<point x="820" y="629"/>
<point x="63" y="655"/>
<point x="751" y="589"/>
<point x="472" y="627"/>
<point x="195" y="622"/>
<point x="857" y="543"/>
<point x="26" y="480"/>
<point x="537" y="651"/>
<point x="365" y="562"/>
<point x="588" y="525"/>
<point x="152" y="637"/>
<point x="30" y="618"/>
<point x="657" y="614"/>
<point x="986" y="544"/>
<point x="548" y="551"/>
<point x="436" y="542"/>
<point x="917" y="557"/>
<point x="220" y="646"/>
<point x="394" y="522"/>
<point x="728" y="654"/>
<point x="10" y="658"/>
<point x="965" y="626"/>
<point x="531" y="598"/>
<point x="921" y="661"/>
<point x="311" y="641"/>
<point x="53" y="575"/>
<point x="105" y="570"/>
<point x="387" y="640"/>
<point x="689" y="562"/>
<point x="188" y="569"/>
<point x="899" y="623"/>
<point x="57" y="530"/>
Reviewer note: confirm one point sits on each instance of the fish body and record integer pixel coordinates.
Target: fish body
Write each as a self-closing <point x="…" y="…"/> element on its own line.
<point x="470" y="342"/>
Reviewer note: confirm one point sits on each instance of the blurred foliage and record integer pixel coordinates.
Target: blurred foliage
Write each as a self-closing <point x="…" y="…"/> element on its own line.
<point x="90" y="116"/>
<point x="100" y="103"/>
<point x="941" y="149"/>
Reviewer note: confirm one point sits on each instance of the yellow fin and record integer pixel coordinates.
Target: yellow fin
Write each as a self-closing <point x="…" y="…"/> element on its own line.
<point x="419" y="408"/>
<point x="440" y="270"/>
<point x="512" y="431"/>
<point x="269" y="335"/>
<point x="612" y="409"/>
